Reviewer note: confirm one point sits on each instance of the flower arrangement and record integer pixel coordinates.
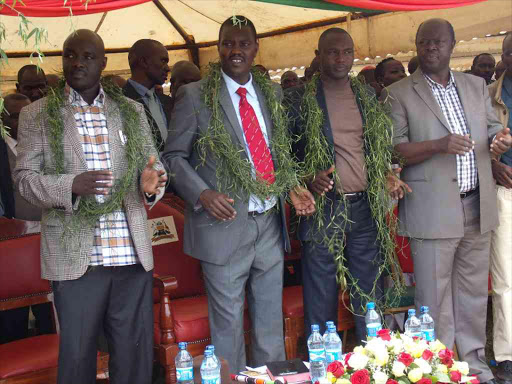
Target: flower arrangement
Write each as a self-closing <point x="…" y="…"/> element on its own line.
<point x="394" y="358"/>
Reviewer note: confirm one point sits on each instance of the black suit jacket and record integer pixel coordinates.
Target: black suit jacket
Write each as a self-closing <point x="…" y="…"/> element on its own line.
<point x="6" y="187"/>
<point x="166" y="101"/>
<point x="293" y="100"/>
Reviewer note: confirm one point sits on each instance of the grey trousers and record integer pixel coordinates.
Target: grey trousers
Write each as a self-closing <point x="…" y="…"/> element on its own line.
<point x="451" y="278"/>
<point x="258" y="265"/>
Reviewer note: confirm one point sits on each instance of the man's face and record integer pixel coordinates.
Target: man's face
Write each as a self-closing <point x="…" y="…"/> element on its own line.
<point x="237" y="49"/>
<point x="435" y="46"/>
<point x="83" y="60"/>
<point x="336" y="56"/>
<point x="13" y="107"/>
<point x="393" y="72"/>
<point x="183" y="77"/>
<point x="33" y="84"/>
<point x="484" y="67"/>
<point x="289" y="80"/>
<point x="506" y="57"/>
<point x="500" y="68"/>
<point x="156" y="64"/>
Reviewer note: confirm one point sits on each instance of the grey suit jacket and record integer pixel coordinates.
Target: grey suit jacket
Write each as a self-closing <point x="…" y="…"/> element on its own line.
<point x="205" y="237"/>
<point x="35" y="179"/>
<point x="433" y="210"/>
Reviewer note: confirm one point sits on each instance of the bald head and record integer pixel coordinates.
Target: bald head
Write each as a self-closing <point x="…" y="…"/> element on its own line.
<point x="183" y="72"/>
<point x="436" y="23"/>
<point x="86" y="34"/>
<point x="142" y="48"/>
<point x="331" y="31"/>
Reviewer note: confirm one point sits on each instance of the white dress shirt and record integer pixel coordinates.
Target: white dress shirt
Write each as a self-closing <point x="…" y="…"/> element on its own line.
<point x="255" y="203"/>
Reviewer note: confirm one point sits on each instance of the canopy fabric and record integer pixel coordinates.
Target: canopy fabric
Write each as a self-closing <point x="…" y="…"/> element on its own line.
<point x="375" y="5"/>
<point x="60" y="8"/>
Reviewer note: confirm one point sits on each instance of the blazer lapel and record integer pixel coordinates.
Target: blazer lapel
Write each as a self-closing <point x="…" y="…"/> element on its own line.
<point x="322" y="103"/>
<point x="72" y="134"/>
<point x="115" y="144"/>
<point x="463" y="96"/>
<point x="229" y="111"/>
<point x="422" y="88"/>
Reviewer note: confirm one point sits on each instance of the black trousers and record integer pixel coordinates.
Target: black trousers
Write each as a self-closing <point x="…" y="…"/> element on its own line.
<point x="117" y="300"/>
<point x="14" y="322"/>
<point x="362" y="252"/>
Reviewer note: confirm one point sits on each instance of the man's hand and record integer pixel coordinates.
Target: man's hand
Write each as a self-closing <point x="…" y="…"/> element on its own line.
<point x="501" y="142"/>
<point x="502" y="173"/>
<point x="303" y="201"/>
<point x="456" y="144"/>
<point x="396" y="187"/>
<point x="92" y="183"/>
<point x="322" y="183"/>
<point x="218" y="204"/>
<point x="151" y="179"/>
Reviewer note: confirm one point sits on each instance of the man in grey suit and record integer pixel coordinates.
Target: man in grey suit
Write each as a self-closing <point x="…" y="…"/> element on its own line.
<point x="240" y="241"/>
<point x="101" y="272"/>
<point x="443" y="125"/>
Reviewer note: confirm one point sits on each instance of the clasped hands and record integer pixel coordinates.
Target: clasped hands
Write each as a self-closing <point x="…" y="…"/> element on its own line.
<point x="101" y="182"/>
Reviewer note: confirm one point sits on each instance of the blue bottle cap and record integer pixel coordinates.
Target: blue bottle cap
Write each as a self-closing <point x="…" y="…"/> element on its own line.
<point x="327" y="323"/>
<point x="182" y="345"/>
<point x="210" y="347"/>
<point x="370" y="305"/>
<point x="315" y="328"/>
<point x="424" y="309"/>
<point x="411" y="312"/>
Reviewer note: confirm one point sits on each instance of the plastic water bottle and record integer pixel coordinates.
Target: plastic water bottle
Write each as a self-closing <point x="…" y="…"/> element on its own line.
<point x="327" y="323"/>
<point x="212" y="348"/>
<point x="412" y="325"/>
<point x="316" y="348"/>
<point x="427" y="325"/>
<point x="372" y="320"/>
<point x="184" y="365"/>
<point x="332" y="345"/>
<point x="210" y="372"/>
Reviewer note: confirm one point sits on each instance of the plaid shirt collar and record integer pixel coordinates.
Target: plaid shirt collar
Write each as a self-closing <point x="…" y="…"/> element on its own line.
<point x="433" y="84"/>
<point x="76" y="100"/>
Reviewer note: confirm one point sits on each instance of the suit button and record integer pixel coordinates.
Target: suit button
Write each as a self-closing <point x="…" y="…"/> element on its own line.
<point x="454" y="179"/>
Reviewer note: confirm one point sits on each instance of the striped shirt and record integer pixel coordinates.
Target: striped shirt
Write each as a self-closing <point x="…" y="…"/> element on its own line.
<point x="451" y="106"/>
<point x="113" y="245"/>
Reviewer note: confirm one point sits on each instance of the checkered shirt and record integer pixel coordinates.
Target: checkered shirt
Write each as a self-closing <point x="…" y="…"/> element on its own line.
<point x="449" y="101"/>
<point x="113" y="245"/>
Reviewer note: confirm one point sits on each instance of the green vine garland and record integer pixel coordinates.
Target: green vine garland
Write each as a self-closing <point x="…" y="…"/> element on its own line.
<point x="234" y="171"/>
<point x="89" y="210"/>
<point x="378" y="159"/>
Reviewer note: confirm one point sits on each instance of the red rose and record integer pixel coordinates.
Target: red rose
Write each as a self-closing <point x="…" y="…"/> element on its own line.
<point x="405" y="359"/>
<point x="474" y="380"/>
<point x="447" y="361"/>
<point x="360" y="377"/>
<point x="424" y="381"/>
<point x="347" y="358"/>
<point x="384" y="334"/>
<point x="427" y="355"/>
<point x="391" y="381"/>
<point x="336" y="368"/>
<point x="455" y="376"/>
<point x="445" y="353"/>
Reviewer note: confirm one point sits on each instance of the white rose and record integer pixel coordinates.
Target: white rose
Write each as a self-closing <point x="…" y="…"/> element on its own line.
<point x="397" y="345"/>
<point x="381" y="357"/>
<point x="375" y="344"/>
<point x="423" y="365"/>
<point x="460" y="366"/>
<point x="398" y="369"/>
<point x="380" y="377"/>
<point x="358" y="361"/>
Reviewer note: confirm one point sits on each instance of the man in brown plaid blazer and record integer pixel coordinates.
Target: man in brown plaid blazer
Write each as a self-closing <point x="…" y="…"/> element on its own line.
<point x="102" y="276"/>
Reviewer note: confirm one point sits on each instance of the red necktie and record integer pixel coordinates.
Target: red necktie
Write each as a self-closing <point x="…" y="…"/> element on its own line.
<point x="258" y="147"/>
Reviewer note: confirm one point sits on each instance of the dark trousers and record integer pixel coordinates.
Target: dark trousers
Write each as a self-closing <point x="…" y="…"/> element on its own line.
<point x="362" y="253"/>
<point x="117" y="300"/>
<point x="14" y="322"/>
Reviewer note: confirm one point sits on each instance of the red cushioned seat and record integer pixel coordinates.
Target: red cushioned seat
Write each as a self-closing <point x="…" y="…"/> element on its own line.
<point x="293" y="305"/>
<point x="29" y="355"/>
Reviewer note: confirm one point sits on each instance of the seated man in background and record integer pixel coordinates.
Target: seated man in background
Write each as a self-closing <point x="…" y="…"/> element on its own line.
<point x="31" y="82"/>
<point x="483" y="66"/>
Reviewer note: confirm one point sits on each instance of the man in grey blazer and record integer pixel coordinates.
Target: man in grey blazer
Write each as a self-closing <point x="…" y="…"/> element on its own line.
<point x="240" y="241"/>
<point x="443" y="126"/>
<point x="101" y="273"/>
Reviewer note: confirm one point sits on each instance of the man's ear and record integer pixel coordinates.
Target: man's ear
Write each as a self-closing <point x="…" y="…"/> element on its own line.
<point x="317" y="52"/>
<point x="18" y="86"/>
<point x="104" y="64"/>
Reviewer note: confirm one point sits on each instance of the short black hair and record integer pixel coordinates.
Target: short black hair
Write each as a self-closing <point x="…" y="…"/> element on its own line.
<point x="379" y="69"/>
<point x="329" y="31"/>
<point x="450" y="27"/>
<point x="140" y="49"/>
<point x="475" y="60"/>
<point x="240" y="21"/>
<point x="28" y="67"/>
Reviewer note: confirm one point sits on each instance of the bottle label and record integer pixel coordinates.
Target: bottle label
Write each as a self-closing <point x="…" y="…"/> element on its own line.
<point x="334" y="355"/>
<point x="372" y="329"/>
<point x="210" y="380"/>
<point x="429" y="335"/>
<point x="316" y="355"/>
<point x="185" y="374"/>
